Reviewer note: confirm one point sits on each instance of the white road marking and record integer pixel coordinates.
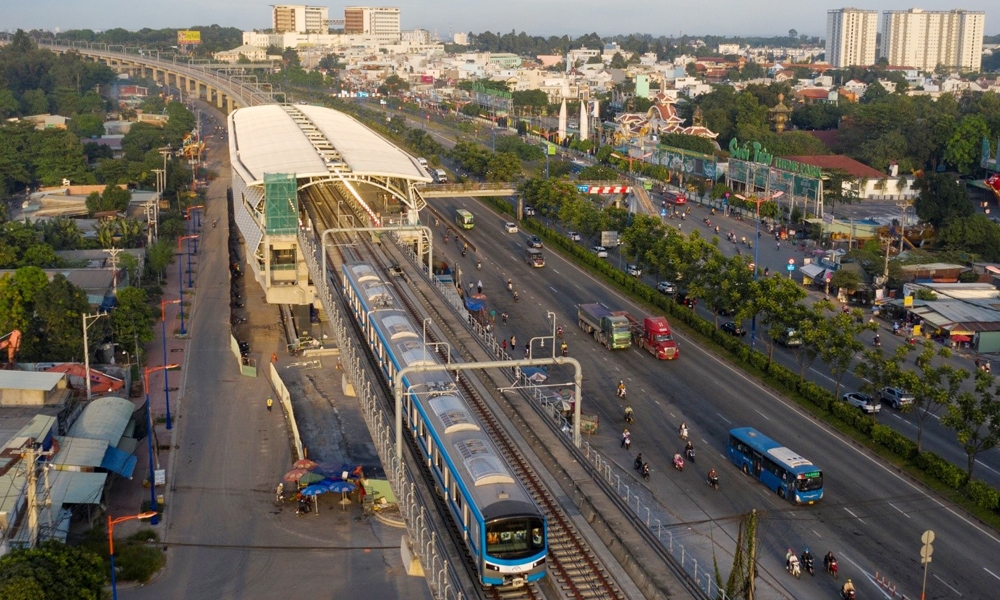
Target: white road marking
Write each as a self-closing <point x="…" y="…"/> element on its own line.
<point x="761" y="414"/>
<point x="897" y="508"/>
<point x="947" y="586"/>
<point x="817" y="533"/>
<point x="724" y="418"/>
<point x="852" y="514"/>
<point x="991" y="573"/>
<point x="979" y="462"/>
<point x="554" y="290"/>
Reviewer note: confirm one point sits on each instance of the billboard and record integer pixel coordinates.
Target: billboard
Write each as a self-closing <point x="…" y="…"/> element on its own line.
<point x="188" y="37"/>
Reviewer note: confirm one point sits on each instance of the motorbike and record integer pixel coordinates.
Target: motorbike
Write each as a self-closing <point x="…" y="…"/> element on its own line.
<point x="793" y="567"/>
<point x="621" y="392"/>
<point x="565" y="350"/>
<point x="645" y="471"/>
<point x="629" y="418"/>
<point x="713" y="480"/>
<point x="679" y="462"/>
<point x="848" y="595"/>
<point x="807" y="563"/>
<point x="515" y="297"/>
<point x="510" y="286"/>
<point x="464" y="252"/>
<point x="690" y="454"/>
<point x="559" y="331"/>
<point x="877" y="341"/>
<point x="683" y="432"/>
<point x="831" y="568"/>
<point x="637" y="463"/>
<point x="479" y="265"/>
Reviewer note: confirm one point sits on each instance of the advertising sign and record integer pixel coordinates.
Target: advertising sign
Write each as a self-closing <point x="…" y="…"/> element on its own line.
<point x="188" y="37"/>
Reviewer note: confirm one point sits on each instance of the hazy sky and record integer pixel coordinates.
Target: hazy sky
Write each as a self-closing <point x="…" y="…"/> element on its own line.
<point x="536" y="17"/>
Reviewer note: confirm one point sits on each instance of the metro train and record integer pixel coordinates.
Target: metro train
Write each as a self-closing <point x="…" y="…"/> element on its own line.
<point x="502" y="527"/>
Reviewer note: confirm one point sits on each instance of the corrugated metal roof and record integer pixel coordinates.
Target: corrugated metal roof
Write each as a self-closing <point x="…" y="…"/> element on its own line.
<point x="77" y="488"/>
<point x="103" y="419"/>
<point x="266" y="139"/>
<point x="29" y="380"/>
<point x="79" y="452"/>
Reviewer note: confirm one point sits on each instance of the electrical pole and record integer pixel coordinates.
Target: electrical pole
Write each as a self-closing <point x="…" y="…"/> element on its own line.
<point x="114" y="252"/>
<point x="29" y="456"/>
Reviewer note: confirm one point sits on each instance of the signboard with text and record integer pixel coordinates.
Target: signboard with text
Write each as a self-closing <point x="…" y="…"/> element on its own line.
<point x="188" y="37"/>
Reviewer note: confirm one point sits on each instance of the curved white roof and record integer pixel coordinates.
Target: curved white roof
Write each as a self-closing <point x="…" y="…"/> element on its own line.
<point x="293" y="139"/>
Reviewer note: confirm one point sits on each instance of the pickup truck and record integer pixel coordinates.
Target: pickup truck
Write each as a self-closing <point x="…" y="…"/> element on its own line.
<point x="608" y="328"/>
<point x="653" y="335"/>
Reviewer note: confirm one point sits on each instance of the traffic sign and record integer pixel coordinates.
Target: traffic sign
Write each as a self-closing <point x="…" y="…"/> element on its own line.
<point x="790" y="266"/>
<point x="791" y="261"/>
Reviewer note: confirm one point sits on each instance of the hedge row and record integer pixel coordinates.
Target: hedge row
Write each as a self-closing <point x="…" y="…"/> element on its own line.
<point x="978" y="492"/>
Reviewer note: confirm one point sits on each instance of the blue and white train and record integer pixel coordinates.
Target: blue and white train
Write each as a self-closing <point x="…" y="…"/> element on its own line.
<point x="500" y="524"/>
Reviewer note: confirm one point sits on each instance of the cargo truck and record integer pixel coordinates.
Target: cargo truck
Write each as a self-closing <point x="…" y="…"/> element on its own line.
<point x="608" y="328"/>
<point x="654" y="335"/>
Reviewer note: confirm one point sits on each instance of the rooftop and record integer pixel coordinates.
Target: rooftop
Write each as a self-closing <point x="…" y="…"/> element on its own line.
<point x="29" y="380"/>
<point x="833" y="162"/>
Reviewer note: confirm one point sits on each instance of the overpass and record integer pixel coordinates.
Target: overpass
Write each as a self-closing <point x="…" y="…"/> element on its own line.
<point x="225" y="86"/>
<point x="507" y="188"/>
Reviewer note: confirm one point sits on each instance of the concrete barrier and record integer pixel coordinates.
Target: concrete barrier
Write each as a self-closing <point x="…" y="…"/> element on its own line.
<point x="285" y="399"/>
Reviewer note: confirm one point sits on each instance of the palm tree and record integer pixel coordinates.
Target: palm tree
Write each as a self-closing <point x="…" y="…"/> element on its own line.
<point x="106" y="231"/>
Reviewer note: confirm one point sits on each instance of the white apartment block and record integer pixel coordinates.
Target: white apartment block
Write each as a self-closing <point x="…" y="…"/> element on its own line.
<point x="380" y="21"/>
<point x="928" y="39"/>
<point x="298" y="18"/>
<point x="851" y="37"/>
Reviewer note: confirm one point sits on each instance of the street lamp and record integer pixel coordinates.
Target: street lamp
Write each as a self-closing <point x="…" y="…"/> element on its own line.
<point x="180" y="273"/>
<point x="149" y="437"/>
<point x="756" y="250"/>
<point x="111" y="543"/>
<point x="163" y="321"/>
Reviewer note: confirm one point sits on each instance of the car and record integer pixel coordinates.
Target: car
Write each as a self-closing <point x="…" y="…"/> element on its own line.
<point x="534" y="241"/>
<point x="896" y="397"/>
<point x="666" y="287"/>
<point x="574" y="236"/>
<point x="633" y="270"/>
<point x="600" y="251"/>
<point x="529" y="210"/>
<point x="422" y="161"/>
<point x="733" y="329"/>
<point x="789" y="338"/>
<point x="510" y="227"/>
<point x="862" y="402"/>
<point x="723" y="311"/>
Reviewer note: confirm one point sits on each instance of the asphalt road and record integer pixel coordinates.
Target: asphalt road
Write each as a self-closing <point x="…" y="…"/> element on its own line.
<point x="872" y="517"/>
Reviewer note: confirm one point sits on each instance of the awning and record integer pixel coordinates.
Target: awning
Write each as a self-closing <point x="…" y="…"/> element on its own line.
<point x="812" y="271"/>
<point x="77" y="488"/>
<point x="119" y="462"/>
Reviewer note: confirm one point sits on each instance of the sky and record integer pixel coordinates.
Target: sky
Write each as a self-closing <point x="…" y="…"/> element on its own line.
<point x="535" y="17"/>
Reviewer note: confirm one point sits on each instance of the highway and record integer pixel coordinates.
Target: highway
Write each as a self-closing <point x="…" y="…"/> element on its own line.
<point x="872" y="517"/>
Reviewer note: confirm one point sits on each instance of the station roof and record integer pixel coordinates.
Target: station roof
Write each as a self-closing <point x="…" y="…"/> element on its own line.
<point x="283" y="139"/>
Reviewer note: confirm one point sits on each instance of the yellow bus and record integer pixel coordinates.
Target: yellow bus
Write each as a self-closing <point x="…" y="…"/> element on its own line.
<point x="464" y="219"/>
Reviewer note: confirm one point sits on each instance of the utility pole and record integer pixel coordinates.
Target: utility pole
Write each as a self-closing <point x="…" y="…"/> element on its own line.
<point x="86" y="346"/>
<point x="29" y="456"/>
<point x="902" y="222"/>
<point x="114" y="252"/>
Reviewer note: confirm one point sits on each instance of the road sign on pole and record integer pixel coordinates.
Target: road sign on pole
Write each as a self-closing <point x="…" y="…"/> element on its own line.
<point x="925" y="557"/>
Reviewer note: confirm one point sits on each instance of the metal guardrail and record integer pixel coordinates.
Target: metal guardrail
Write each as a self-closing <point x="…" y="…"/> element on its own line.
<point x="440" y="573"/>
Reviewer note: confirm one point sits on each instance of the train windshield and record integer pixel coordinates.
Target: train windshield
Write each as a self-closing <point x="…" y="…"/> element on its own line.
<point x="515" y="537"/>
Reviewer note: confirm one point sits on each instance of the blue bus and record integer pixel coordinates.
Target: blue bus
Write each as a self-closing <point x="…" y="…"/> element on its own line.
<point x="787" y="473"/>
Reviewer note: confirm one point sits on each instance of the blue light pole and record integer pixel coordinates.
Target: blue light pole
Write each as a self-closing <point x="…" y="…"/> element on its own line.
<point x="190" y="282"/>
<point x="166" y="388"/>
<point x="180" y="272"/>
<point x="149" y="443"/>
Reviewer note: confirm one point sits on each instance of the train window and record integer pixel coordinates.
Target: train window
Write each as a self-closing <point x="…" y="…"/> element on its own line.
<point x="509" y="538"/>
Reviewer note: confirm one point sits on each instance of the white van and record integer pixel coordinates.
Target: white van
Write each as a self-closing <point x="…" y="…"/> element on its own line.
<point x="440" y="176"/>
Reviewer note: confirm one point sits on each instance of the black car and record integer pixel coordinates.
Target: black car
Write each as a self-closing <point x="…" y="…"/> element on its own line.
<point x="733" y="329"/>
<point x="244" y="348"/>
<point x="534" y="242"/>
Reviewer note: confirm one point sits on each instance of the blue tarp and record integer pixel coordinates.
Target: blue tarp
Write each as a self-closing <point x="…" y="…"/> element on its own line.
<point x="475" y="302"/>
<point x="119" y="462"/>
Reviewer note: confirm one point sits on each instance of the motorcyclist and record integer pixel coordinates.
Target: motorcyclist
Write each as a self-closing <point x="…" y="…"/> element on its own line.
<point x="645" y="470"/>
<point x="564" y="348"/>
<point x="678" y="460"/>
<point x="848" y="589"/>
<point x="829" y="559"/>
<point x="689" y="449"/>
<point x="510" y="285"/>
<point x="479" y="264"/>
<point x="793" y="562"/>
<point x="683" y="431"/>
<point x="789" y="555"/>
<point x="878" y="340"/>
<point x="515" y="296"/>
<point x="713" y="477"/>
<point x="807" y="560"/>
<point x="621" y="388"/>
<point x="638" y="462"/>
<point x="628" y="413"/>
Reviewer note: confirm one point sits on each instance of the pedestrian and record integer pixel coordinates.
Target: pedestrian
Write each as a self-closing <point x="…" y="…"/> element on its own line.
<point x="527" y="350"/>
<point x="270" y="403"/>
<point x="504" y="317"/>
<point x="513" y="342"/>
<point x="279" y="491"/>
<point x="471" y="285"/>
<point x="479" y="286"/>
<point x="779" y="245"/>
<point x="503" y="344"/>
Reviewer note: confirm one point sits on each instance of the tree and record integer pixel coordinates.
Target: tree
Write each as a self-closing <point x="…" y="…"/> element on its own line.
<point x="59" y="308"/>
<point x="159" y="256"/>
<point x="975" y="418"/>
<point x="941" y="198"/>
<point x="962" y="150"/>
<point x="837" y="341"/>
<point x="503" y="166"/>
<point x="775" y="302"/>
<point x="976" y="234"/>
<point x="132" y="319"/>
<point x="618" y="62"/>
<point x="52" y="571"/>
<point x="845" y="279"/>
<point x="933" y="385"/>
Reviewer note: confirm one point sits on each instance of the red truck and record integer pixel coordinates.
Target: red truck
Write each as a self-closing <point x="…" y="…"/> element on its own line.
<point x="654" y="335"/>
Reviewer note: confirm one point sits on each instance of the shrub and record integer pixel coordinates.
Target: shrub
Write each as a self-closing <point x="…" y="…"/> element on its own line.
<point x="942" y="470"/>
<point x="983" y="495"/>
<point x="138" y="561"/>
<point x="895" y="442"/>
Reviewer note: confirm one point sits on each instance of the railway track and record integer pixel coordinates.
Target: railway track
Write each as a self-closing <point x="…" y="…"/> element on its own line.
<point x="574" y="571"/>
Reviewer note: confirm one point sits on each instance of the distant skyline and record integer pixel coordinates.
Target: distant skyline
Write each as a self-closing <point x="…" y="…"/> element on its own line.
<point x="534" y="17"/>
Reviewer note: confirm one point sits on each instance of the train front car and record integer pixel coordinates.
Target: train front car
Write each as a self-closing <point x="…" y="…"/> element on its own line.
<point x="500" y="524"/>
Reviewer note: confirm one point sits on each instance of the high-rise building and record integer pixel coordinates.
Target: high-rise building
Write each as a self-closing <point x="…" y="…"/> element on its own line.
<point x="380" y="21"/>
<point x="298" y="18"/>
<point x="851" y="37"/>
<point x="928" y="39"/>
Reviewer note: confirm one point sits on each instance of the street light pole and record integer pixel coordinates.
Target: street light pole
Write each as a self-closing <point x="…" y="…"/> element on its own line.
<point x="166" y="387"/>
<point x="111" y="543"/>
<point x="149" y="441"/>
<point x="86" y="346"/>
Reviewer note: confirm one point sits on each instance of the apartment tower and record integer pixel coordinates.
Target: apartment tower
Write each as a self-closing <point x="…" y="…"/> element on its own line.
<point x="928" y="39"/>
<point x="379" y="21"/>
<point x="297" y="18"/>
<point x="851" y="37"/>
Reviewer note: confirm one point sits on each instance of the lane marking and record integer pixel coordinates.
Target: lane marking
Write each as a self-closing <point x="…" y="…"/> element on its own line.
<point x="991" y="573"/>
<point x="979" y="462"/>
<point x="897" y="508"/>
<point x="724" y="418"/>
<point x="852" y="514"/>
<point x="943" y="582"/>
<point x="761" y="414"/>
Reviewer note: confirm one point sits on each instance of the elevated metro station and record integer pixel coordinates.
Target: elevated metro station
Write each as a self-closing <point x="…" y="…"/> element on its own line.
<point x="283" y="156"/>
